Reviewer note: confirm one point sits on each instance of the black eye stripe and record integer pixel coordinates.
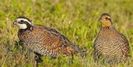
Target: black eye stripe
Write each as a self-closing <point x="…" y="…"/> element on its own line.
<point x="21" y="21"/>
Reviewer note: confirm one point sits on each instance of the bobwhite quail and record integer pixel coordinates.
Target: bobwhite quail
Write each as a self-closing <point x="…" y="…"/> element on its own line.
<point x="44" y="40"/>
<point x="110" y="46"/>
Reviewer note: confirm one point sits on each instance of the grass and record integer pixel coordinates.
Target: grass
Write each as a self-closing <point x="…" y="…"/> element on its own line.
<point x="76" y="19"/>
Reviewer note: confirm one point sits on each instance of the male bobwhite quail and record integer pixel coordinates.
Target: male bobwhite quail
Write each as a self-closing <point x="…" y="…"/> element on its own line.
<point x="110" y="46"/>
<point x="44" y="40"/>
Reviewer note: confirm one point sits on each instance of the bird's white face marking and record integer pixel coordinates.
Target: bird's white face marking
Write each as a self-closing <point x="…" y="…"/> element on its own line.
<point x="20" y="19"/>
<point x="22" y="26"/>
<point x="22" y="23"/>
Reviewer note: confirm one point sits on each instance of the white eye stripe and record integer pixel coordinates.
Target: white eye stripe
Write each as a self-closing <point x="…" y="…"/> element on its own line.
<point x="19" y="19"/>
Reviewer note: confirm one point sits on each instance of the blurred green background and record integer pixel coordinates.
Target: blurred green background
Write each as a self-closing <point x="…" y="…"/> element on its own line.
<point x="76" y="19"/>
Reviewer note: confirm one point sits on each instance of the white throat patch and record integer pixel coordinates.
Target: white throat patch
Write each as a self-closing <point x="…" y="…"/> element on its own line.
<point x="22" y="26"/>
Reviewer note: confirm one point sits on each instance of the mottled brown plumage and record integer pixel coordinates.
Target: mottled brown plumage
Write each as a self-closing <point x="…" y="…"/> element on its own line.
<point x="110" y="46"/>
<point x="44" y="40"/>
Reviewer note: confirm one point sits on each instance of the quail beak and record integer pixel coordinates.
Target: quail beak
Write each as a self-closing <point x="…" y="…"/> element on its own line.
<point x="99" y="19"/>
<point x="14" y="23"/>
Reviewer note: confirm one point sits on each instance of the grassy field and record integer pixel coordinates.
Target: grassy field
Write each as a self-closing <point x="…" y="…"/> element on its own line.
<point x="76" y="19"/>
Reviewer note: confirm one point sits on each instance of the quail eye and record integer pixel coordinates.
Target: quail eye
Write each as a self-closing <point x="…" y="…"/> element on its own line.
<point x="21" y="21"/>
<point x="108" y="18"/>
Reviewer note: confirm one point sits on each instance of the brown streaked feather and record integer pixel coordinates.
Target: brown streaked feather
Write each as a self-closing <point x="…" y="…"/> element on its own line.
<point x="47" y="41"/>
<point x="111" y="46"/>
